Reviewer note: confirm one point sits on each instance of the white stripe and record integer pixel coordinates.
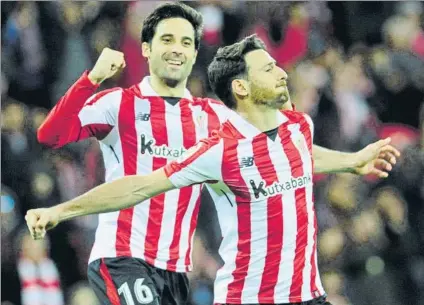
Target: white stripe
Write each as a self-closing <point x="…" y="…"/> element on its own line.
<point x="307" y="169"/>
<point x="144" y="167"/>
<point x="285" y="273"/>
<point x="175" y="141"/>
<point x="227" y="218"/>
<point x="259" y="232"/>
<point x="222" y="111"/>
<point x="105" y="237"/>
<point x="104" y="111"/>
<point x="185" y="227"/>
<point x="200" y="119"/>
<point x="114" y="168"/>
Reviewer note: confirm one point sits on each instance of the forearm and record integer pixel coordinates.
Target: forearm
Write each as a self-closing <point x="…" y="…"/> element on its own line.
<point x="108" y="197"/>
<point x="333" y="161"/>
<point x="116" y="195"/>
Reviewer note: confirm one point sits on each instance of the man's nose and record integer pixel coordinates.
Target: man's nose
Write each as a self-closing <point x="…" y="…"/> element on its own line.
<point x="177" y="48"/>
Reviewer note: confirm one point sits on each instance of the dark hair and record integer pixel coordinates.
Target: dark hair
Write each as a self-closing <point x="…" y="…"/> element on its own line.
<point x="172" y="10"/>
<point x="228" y="64"/>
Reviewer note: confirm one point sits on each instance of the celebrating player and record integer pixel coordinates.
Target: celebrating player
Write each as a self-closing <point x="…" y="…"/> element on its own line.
<point x="259" y="169"/>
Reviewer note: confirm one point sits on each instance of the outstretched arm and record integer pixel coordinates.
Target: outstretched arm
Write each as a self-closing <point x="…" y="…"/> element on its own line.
<point x="376" y="158"/>
<point x="198" y="165"/>
<point x="108" y="197"/>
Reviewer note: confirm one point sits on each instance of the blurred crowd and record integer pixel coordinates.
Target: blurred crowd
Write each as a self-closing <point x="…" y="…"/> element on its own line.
<point x="356" y="67"/>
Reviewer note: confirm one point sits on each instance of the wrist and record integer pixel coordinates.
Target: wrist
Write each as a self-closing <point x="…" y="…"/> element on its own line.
<point x="355" y="162"/>
<point x="95" y="80"/>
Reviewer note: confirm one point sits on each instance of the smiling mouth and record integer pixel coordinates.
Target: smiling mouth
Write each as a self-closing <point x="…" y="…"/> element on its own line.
<point x="176" y="63"/>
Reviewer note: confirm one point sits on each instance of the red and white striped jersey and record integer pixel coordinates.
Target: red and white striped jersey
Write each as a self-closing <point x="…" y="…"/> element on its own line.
<point x="262" y="189"/>
<point x="139" y="132"/>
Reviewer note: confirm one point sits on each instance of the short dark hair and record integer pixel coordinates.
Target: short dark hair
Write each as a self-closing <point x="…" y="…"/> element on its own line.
<point x="228" y="64"/>
<point x="172" y="10"/>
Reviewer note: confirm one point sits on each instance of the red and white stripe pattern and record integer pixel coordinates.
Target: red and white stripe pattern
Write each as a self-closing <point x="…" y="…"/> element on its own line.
<point x="39" y="282"/>
<point x="269" y="229"/>
<point x="161" y="230"/>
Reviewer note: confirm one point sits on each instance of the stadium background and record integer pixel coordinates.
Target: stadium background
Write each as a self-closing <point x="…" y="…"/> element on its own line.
<point x="357" y="68"/>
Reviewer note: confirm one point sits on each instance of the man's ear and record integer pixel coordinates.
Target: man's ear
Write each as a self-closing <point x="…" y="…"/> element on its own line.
<point x="145" y="50"/>
<point x="240" y="87"/>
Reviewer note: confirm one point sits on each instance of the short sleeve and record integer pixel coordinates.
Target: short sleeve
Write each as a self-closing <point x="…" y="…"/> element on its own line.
<point x="201" y="163"/>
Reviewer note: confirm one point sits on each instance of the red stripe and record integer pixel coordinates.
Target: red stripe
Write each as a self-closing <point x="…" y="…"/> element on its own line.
<point x="193" y="224"/>
<point x="174" y="251"/>
<point x="232" y="177"/>
<point x="160" y="134"/>
<point x="306" y="130"/>
<point x="128" y="135"/>
<point x="189" y="139"/>
<point x="111" y="292"/>
<point x="296" y="166"/>
<point x="136" y="90"/>
<point x="274" y="220"/>
<point x="38" y="282"/>
<point x="213" y="120"/>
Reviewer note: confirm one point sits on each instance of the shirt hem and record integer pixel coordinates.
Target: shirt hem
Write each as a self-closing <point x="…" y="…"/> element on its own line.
<point x="297" y="299"/>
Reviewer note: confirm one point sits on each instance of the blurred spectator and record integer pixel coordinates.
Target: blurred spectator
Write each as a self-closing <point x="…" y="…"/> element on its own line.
<point x="39" y="277"/>
<point x="24" y="57"/>
<point x="284" y="31"/>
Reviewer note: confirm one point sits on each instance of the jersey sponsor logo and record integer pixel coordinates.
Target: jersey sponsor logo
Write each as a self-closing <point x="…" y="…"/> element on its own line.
<point x="260" y="189"/>
<point x="163" y="151"/>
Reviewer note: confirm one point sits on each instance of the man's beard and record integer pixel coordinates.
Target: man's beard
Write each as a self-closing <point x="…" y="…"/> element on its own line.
<point x="276" y="102"/>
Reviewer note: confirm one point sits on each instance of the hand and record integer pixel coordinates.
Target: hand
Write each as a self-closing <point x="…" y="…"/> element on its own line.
<point x="107" y="65"/>
<point x="377" y="159"/>
<point x="41" y="220"/>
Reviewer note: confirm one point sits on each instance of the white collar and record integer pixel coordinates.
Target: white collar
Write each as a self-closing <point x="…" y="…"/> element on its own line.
<point x="147" y="90"/>
<point x="247" y="129"/>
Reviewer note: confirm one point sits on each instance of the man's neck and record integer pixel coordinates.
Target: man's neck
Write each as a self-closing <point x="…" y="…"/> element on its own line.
<point x="162" y="89"/>
<point x="262" y="117"/>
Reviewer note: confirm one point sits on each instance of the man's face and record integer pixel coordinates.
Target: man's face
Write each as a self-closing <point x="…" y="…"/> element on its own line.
<point x="267" y="81"/>
<point x="172" y="52"/>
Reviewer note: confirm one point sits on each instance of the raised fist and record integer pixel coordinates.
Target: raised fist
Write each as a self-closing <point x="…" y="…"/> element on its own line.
<point x="107" y="65"/>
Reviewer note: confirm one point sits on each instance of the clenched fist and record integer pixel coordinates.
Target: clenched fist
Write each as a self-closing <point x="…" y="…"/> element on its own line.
<point x="41" y="220"/>
<point x="107" y="65"/>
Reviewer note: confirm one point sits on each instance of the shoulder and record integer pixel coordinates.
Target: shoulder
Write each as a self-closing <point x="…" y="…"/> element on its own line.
<point x="113" y="95"/>
<point x="214" y="107"/>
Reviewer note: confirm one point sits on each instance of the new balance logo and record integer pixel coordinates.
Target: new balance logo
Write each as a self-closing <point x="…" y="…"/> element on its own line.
<point x="246" y="162"/>
<point x="279" y="187"/>
<point x="142" y="116"/>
